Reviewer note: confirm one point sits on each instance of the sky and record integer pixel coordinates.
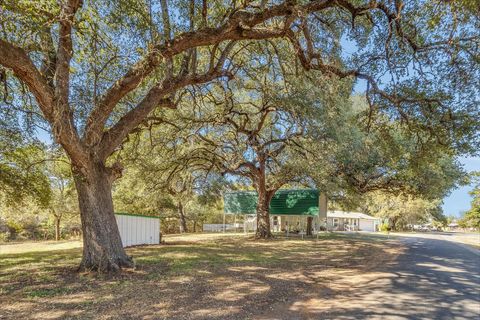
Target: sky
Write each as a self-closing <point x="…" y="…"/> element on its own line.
<point x="459" y="200"/>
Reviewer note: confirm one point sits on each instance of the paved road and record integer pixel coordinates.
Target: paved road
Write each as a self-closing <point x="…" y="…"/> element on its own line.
<point x="472" y="239"/>
<point x="434" y="279"/>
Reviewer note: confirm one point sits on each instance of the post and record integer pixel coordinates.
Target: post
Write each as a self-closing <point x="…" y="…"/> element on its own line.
<point x="309" y="225"/>
<point x="322" y="208"/>
<point x="245" y="224"/>
<point x="223" y="221"/>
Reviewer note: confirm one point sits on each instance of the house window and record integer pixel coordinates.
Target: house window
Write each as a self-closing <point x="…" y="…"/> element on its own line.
<point x="335" y="222"/>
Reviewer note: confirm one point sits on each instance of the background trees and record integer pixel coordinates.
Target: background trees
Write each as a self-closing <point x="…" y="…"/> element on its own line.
<point x="63" y="204"/>
<point x="22" y="176"/>
<point x="38" y="196"/>
<point x="403" y="211"/>
<point x="159" y="178"/>
<point x="471" y="219"/>
<point x="21" y="164"/>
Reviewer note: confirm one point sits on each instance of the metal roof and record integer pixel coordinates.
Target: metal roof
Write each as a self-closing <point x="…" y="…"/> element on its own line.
<point x="136" y="215"/>
<point x="284" y="202"/>
<point x="349" y="215"/>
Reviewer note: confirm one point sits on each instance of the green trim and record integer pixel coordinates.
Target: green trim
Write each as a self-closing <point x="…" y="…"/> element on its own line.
<point x="135" y="215"/>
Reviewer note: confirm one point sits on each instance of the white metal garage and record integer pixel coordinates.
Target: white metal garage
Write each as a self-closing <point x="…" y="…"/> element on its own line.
<point x="138" y="229"/>
<point x="351" y="221"/>
<point x="367" y="225"/>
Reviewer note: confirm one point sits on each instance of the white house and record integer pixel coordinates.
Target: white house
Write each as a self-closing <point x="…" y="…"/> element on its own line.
<point x="351" y="221"/>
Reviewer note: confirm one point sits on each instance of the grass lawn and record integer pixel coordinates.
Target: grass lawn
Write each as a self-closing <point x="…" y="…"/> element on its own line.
<point x="37" y="246"/>
<point x="191" y="277"/>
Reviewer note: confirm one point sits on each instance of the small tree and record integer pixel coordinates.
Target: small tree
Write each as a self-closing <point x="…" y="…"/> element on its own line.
<point x="403" y="210"/>
<point x="63" y="200"/>
<point x="471" y="219"/>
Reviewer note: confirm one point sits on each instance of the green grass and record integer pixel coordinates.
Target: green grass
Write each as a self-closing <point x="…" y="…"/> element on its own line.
<point x="40" y="293"/>
<point x="38" y="246"/>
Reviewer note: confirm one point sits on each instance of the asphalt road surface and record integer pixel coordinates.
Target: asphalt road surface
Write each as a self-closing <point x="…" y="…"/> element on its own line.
<point x="436" y="278"/>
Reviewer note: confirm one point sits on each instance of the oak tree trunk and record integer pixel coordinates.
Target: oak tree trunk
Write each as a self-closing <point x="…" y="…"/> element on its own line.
<point x="181" y="218"/>
<point x="393" y="224"/>
<point x="102" y="245"/>
<point x="263" y="216"/>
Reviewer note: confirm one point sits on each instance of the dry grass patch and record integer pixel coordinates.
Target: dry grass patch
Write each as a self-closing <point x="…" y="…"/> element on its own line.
<point x="192" y="277"/>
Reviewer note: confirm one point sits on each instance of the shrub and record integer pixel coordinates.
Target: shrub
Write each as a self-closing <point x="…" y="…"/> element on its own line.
<point x="14" y="228"/>
<point x="384" y="227"/>
<point x="30" y="228"/>
<point x="4" y="236"/>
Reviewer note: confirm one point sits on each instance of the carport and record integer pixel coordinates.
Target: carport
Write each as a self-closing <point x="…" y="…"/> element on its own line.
<point x="291" y="210"/>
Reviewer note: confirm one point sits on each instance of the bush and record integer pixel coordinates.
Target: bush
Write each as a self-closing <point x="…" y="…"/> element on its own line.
<point x="4" y="236"/>
<point x="169" y="226"/>
<point x="384" y="227"/>
<point x="14" y="228"/>
<point x="72" y="231"/>
<point x="31" y="229"/>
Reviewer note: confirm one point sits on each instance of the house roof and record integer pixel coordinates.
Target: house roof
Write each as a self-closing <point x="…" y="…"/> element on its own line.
<point x="349" y="215"/>
<point x="284" y="202"/>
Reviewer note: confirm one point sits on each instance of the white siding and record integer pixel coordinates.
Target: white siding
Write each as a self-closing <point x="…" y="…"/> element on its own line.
<point x="136" y="230"/>
<point x="367" y="225"/>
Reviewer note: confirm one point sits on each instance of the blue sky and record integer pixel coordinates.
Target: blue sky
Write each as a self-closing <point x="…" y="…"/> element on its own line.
<point x="459" y="200"/>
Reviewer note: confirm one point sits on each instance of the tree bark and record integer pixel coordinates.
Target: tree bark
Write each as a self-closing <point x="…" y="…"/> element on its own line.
<point x="181" y="218"/>
<point x="263" y="215"/>
<point x="102" y="245"/>
<point x="309" y="226"/>
<point x="57" y="228"/>
<point x="393" y="224"/>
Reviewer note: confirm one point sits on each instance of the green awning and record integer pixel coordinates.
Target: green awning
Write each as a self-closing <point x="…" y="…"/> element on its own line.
<point x="284" y="202"/>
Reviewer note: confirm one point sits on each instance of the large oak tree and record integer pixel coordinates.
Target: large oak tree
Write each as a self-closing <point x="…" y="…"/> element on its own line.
<point x="95" y="70"/>
<point x="262" y="128"/>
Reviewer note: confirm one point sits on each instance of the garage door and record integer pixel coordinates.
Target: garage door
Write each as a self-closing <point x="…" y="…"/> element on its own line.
<point x="367" y="225"/>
